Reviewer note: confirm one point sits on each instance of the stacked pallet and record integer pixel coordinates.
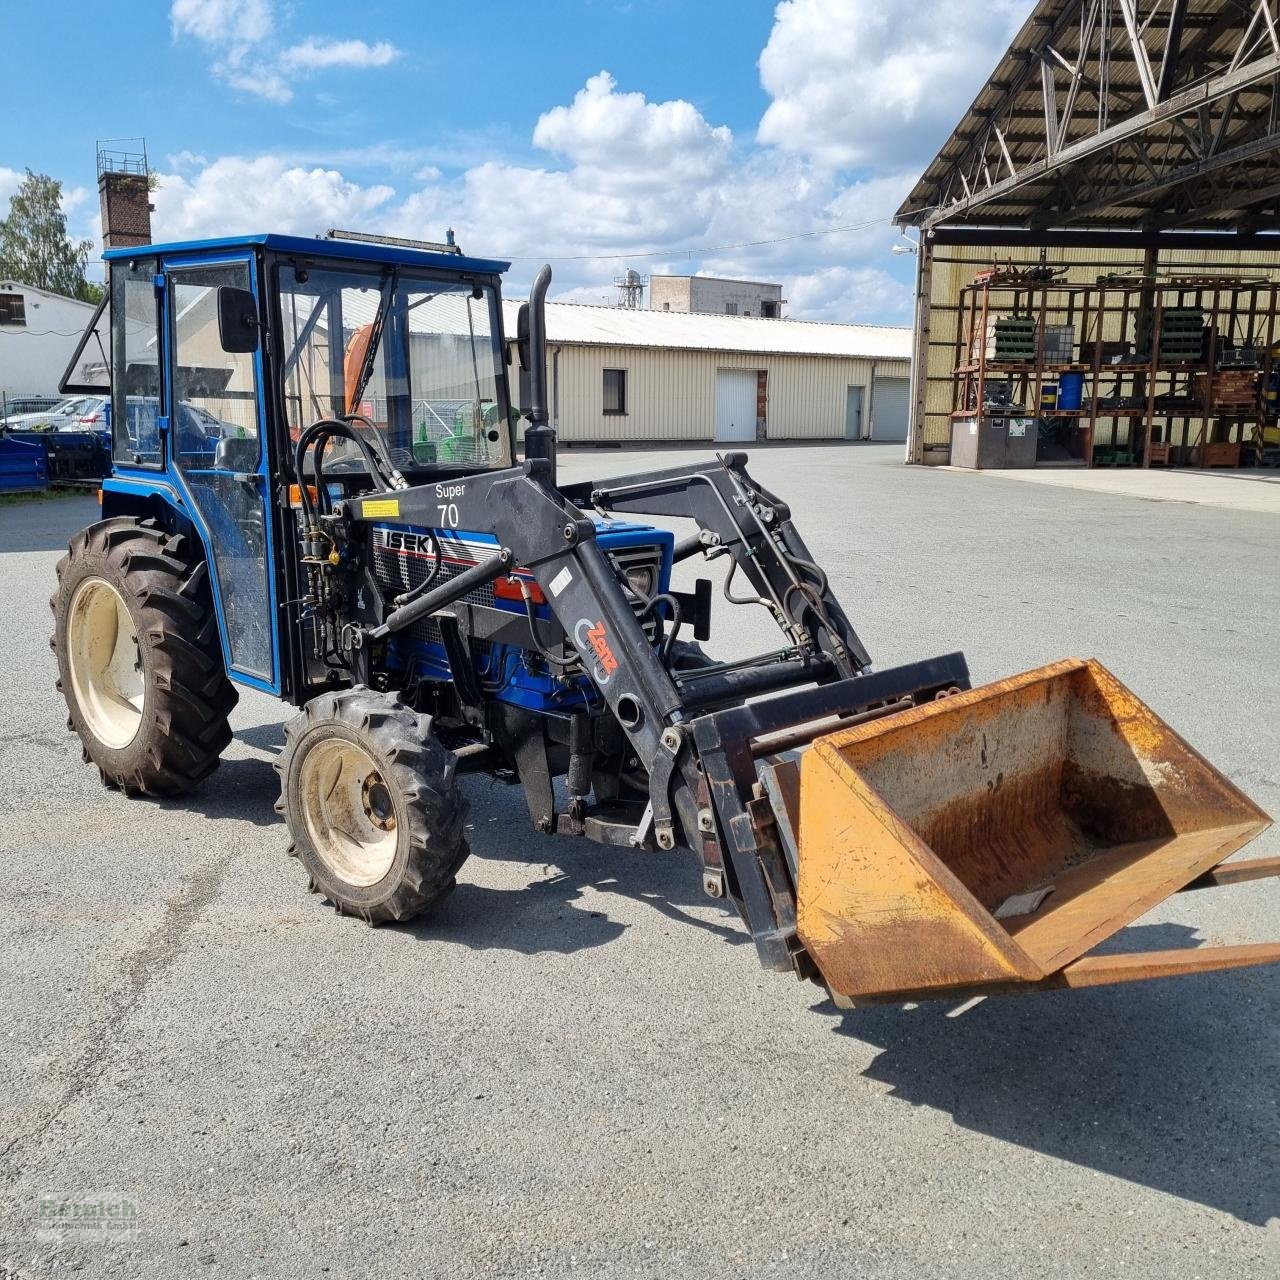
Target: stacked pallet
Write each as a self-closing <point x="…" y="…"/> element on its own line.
<point x="1008" y="340"/>
<point x="1181" y="335"/>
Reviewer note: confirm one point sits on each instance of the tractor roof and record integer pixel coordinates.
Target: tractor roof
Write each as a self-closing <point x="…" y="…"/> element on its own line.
<point x="318" y="247"/>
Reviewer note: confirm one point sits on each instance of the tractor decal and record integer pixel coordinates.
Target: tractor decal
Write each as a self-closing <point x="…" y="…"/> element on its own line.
<point x="593" y="636"/>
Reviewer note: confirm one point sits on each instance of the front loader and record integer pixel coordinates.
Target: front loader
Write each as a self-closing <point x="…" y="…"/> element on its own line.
<point x="316" y="494"/>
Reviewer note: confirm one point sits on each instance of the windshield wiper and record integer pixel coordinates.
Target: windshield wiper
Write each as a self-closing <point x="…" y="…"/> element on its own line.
<point x="356" y="394"/>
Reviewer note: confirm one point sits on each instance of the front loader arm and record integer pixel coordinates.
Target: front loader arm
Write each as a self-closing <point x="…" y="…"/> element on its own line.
<point x="738" y="517"/>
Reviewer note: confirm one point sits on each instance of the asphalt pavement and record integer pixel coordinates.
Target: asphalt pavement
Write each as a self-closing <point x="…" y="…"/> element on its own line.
<point x="576" y="1066"/>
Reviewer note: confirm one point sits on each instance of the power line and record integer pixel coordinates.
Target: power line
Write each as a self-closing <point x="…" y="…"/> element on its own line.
<point x="710" y="248"/>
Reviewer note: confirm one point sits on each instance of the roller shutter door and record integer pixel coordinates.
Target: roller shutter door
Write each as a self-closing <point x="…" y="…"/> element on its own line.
<point x="890" y="405"/>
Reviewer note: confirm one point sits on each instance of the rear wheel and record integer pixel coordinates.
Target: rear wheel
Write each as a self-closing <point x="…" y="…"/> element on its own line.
<point x="373" y="810"/>
<point x="139" y="659"/>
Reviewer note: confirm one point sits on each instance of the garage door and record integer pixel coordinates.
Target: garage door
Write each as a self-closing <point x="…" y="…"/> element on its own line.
<point x="735" y="404"/>
<point x="890" y="403"/>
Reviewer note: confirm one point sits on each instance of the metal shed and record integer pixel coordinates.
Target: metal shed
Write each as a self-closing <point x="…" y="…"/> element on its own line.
<point x="1113" y="136"/>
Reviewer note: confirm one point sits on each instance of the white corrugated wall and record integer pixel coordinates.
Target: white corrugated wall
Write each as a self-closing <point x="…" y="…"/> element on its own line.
<point x="671" y="394"/>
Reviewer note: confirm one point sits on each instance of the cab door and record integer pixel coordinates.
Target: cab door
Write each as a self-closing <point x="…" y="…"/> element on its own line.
<point x="218" y="452"/>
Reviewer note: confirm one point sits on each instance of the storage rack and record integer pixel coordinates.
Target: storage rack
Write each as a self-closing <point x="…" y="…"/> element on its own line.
<point x="1179" y="333"/>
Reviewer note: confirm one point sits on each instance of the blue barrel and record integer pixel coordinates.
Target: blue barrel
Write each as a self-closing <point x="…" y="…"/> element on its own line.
<point x="1048" y="397"/>
<point x="1070" y="390"/>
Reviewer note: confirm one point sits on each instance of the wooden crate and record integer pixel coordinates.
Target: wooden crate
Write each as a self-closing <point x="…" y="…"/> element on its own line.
<point x="1220" y="455"/>
<point x="1234" y="390"/>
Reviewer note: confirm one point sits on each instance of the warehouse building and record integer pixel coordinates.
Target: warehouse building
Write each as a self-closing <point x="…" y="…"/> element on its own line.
<point x="634" y="376"/>
<point x="39" y="331"/>
<point x="1097" y="259"/>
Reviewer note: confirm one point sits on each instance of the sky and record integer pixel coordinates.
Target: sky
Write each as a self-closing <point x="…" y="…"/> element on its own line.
<point x="597" y="134"/>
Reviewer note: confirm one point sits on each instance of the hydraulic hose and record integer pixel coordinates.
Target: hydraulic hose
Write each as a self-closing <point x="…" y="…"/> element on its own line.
<point x="432" y="574"/>
<point x="322" y="430"/>
<point x="394" y="474"/>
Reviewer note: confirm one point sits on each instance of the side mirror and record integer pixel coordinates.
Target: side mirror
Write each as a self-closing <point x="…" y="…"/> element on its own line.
<point x="522" y="335"/>
<point x="237" y="320"/>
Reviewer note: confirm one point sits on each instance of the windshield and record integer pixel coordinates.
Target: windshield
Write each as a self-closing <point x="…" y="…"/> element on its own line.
<point x="420" y="359"/>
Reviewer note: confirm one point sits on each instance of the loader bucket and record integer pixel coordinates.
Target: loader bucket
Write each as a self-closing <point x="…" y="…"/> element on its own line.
<point x="987" y="841"/>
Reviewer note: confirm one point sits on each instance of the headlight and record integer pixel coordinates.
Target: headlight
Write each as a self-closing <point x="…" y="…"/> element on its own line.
<point x="642" y="579"/>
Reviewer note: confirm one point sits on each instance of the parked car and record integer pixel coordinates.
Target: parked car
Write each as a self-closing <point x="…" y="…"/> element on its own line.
<point x="11" y="406"/>
<point x="67" y="415"/>
<point x="96" y="415"/>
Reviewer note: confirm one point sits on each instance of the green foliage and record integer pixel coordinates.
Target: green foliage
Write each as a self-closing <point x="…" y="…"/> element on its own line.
<point x="34" y="247"/>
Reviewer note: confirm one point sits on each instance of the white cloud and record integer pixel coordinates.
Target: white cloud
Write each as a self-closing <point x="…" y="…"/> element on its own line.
<point x="241" y="33"/>
<point x="856" y="82"/>
<point x="10" y="181"/>
<point x="623" y="134"/>
<point x="238" y="196"/>
<point x="316" y="54"/>
<point x="223" y="22"/>
<point x="841" y="294"/>
<point x="258" y="78"/>
<point x="74" y="199"/>
<point x="186" y="160"/>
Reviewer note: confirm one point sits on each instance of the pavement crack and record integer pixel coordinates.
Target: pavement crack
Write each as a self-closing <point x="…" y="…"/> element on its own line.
<point x="139" y="969"/>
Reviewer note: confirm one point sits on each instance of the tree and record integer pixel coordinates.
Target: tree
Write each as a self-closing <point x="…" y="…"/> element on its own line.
<point x="34" y="247"/>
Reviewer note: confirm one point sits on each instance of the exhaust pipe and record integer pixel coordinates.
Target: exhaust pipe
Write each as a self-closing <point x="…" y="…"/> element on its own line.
<point x="540" y="438"/>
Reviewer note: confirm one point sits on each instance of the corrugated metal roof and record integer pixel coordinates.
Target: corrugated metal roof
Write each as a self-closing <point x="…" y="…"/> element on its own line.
<point x="1094" y="150"/>
<point x="569" y="322"/>
<point x="585" y="325"/>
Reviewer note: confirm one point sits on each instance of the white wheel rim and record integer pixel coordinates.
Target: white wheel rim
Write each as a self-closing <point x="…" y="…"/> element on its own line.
<point x="347" y="807"/>
<point x="105" y="663"/>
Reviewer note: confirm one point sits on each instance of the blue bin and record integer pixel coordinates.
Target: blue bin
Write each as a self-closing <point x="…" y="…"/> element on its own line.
<point x="1070" y="390"/>
<point x="22" y="466"/>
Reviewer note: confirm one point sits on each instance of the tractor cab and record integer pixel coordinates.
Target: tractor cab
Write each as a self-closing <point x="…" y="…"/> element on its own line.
<point x="224" y="351"/>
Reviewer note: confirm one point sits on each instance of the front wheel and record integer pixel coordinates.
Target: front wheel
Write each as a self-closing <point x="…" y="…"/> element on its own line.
<point x="374" y="812"/>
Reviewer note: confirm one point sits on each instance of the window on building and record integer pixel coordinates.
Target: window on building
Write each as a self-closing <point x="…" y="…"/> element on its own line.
<point x="747" y="313"/>
<point x="731" y="308"/>
<point x="13" y="309"/>
<point x="615" y="391"/>
<point x="666" y="306"/>
<point x="769" y="310"/>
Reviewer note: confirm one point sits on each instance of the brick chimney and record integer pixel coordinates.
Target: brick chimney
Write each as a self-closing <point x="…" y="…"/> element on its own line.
<point x="124" y="194"/>
<point x="126" y="210"/>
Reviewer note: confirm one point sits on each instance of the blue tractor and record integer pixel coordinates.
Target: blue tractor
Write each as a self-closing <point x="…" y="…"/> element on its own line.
<point x="316" y="493"/>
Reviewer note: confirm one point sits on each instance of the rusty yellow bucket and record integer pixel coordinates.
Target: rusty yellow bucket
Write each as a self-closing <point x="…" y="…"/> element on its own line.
<point x="990" y="840"/>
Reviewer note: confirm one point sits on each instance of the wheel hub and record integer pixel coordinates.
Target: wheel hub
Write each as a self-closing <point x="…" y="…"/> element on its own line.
<point x="349" y="811"/>
<point x="104" y="662"/>
<point x="378" y="805"/>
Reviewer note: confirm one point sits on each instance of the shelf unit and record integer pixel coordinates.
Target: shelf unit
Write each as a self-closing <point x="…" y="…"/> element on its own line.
<point x="1127" y="312"/>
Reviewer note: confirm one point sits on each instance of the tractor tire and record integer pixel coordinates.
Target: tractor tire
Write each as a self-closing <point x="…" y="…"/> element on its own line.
<point x="374" y="813"/>
<point x="139" y="658"/>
